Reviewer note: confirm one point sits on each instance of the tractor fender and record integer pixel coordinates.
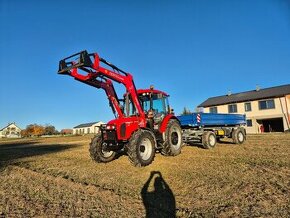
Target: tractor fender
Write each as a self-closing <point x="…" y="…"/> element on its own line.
<point x="165" y="122"/>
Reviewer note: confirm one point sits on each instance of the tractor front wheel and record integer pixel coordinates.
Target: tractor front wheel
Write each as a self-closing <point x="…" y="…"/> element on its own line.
<point x="98" y="151"/>
<point x="141" y="148"/>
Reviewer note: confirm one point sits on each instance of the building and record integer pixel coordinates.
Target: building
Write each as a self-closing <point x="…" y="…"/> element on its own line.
<point x="267" y="110"/>
<point x="66" y="131"/>
<point x="10" y="131"/>
<point x="87" y="128"/>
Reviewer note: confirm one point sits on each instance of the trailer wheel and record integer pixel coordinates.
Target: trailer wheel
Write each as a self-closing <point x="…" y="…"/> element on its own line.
<point x="172" y="139"/>
<point x="141" y="148"/>
<point x="97" y="150"/>
<point x="208" y="140"/>
<point x="238" y="136"/>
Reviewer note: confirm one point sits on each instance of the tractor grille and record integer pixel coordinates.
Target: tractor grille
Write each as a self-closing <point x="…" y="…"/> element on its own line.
<point x="109" y="136"/>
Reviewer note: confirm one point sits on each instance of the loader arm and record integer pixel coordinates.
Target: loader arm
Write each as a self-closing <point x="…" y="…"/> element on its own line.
<point x="110" y="92"/>
<point x="86" y="68"/>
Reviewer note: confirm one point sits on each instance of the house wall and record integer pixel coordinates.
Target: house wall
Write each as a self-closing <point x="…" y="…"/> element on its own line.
<point x="94" y="129"/>
<point x="281" y="110"/>
<point x="10" y="131"/>
<point x="288" y="106"/>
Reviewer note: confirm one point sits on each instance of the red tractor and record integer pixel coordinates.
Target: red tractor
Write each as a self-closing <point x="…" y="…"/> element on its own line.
<point x="144" y="121"/>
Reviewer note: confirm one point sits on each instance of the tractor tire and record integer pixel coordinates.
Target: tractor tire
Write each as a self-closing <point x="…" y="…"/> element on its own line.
<point x="208" y="140"/>
<point x="238" y="136"/>
<point x="141" y="148"/>
<point x="97" y="152"/>
<point x="172" y="139"/>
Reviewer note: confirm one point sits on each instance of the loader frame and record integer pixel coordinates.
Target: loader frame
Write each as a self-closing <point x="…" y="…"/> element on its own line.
<point x="87" y="68"/>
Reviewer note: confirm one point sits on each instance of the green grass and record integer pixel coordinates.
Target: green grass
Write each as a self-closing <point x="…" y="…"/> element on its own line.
<point x="55" y="176"/>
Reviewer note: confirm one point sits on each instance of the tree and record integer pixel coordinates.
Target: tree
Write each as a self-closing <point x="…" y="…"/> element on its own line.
<point x="38" y="130"/>
<point x="49" y="130"/>
<point x="33" y="130"/>
<point x="24" y="133"/>
<point x="185" y="111"/>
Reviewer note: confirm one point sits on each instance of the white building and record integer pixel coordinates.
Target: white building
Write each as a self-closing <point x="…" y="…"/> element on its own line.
<point x="10" y="131"/>
<point x="87" y="128"/>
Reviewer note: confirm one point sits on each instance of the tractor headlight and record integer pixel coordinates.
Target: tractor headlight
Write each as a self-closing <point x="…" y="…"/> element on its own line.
<point x="110" y="127"/>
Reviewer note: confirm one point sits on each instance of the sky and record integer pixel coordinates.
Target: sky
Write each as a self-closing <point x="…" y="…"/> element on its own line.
<point x="192" y="50"/>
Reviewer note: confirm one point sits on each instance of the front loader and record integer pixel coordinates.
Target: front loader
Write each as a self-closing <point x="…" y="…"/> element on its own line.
<point x="144" y="121"/>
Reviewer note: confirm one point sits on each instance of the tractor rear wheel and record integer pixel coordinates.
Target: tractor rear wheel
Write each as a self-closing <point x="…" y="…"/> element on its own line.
<point x="141" y="148"/>
<point x="208" y="140"/>
<point x="98" y="151"/>
<point x="172" y="139"/>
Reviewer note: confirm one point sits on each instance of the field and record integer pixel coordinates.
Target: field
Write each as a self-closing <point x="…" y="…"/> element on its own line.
<point x="55" y="176"/>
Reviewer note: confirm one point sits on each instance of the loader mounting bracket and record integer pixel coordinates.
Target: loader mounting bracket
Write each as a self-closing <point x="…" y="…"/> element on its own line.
<point x="81" y="59"/>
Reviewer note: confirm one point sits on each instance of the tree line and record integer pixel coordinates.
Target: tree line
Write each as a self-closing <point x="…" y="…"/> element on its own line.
<point x="33" y="130"/>
<point x="38" y="130"/>
<point x="187" y="111"/>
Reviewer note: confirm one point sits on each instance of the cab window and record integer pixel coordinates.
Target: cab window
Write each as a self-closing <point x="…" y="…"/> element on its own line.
<point x="159" y="103"/>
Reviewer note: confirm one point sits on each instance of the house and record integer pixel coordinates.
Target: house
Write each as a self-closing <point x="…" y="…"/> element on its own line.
<point x="10" y="131"/>
<point x="87" y="128"/>
<point x="66" y="131"/>
<point x="267" y="110"/>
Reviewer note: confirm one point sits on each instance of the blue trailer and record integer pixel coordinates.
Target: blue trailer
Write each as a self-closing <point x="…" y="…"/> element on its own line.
<point x="208" y="128"/>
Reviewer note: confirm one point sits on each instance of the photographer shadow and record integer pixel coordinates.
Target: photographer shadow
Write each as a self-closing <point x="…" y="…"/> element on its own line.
<point x="161" y="201"/>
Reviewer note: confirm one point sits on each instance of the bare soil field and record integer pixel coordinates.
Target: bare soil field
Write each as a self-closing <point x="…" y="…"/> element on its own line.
<point x="56" y="177"/>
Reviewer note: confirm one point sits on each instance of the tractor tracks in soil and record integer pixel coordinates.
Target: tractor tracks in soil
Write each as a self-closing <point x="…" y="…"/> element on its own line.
<point x="105" y="195"/>
<point x="70" y="181"/>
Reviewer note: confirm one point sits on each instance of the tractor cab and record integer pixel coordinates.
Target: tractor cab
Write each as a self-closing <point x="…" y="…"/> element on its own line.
<point x="154" y="103"/>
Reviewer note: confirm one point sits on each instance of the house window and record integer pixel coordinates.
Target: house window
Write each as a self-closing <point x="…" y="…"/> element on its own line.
<point x="248" y="106"/>
<point x="249" y="123"/>
<point x="267" y="104"/>
<point x="213" y="110"/>
<point x="88" y="130"/>
<point x="232" y="108"/>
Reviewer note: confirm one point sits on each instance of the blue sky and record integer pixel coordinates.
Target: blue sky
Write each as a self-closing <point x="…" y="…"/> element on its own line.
<point x="190" y="49"/>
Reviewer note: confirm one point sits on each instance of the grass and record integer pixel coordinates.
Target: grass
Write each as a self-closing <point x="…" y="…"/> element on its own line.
<point x="55" y="176"/>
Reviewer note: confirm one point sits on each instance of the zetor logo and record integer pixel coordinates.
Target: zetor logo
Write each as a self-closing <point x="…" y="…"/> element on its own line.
<point x="111" y="74"/>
